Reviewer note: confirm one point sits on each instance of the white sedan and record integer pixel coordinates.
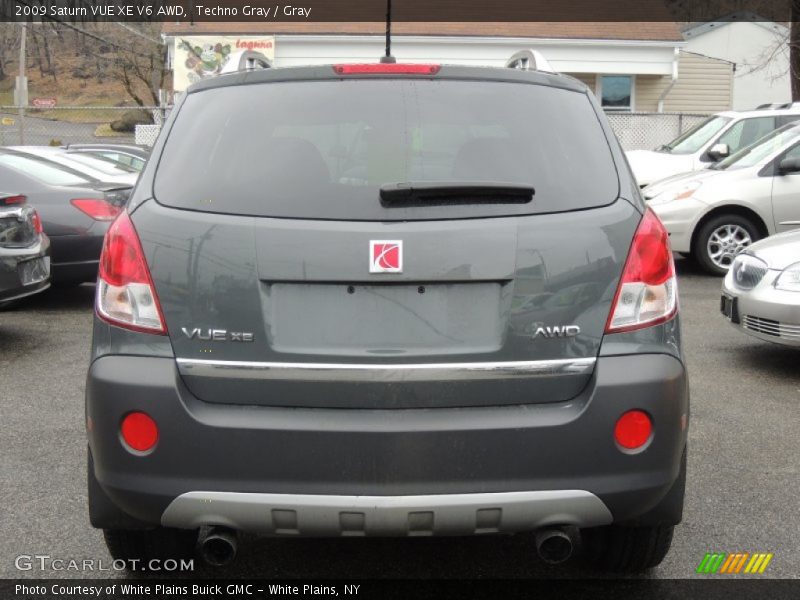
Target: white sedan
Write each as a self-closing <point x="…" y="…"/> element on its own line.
<point x="761" y="293"/>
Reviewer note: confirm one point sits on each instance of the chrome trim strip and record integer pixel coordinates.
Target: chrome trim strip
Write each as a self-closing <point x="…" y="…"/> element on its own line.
<point x="771" y="327"/>
<point x="287" y="371"/>
<point x="789" y="223"/>
<point x="436" y="514"/>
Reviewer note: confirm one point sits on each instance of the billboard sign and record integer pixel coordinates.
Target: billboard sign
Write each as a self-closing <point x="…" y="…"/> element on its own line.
<point x="199" y="57"/>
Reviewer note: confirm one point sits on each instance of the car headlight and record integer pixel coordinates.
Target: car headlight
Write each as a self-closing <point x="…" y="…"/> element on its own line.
<point x="676" y="193"/>
<point x="747" y="271"/>
<point x="789" y="279"/>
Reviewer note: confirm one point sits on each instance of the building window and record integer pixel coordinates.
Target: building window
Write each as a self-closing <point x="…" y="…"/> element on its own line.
<point x="616" y="92"/>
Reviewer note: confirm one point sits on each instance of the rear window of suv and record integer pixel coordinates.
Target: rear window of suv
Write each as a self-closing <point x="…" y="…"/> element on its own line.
<point x="324" y="149"/>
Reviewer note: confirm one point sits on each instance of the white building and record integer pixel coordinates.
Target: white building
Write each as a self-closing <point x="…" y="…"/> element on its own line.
<point x="757" y="48"/>
<point x="630" y="66"/>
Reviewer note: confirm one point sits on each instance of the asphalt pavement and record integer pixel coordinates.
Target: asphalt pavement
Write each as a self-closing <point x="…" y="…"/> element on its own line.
<point x="741" y="489"/>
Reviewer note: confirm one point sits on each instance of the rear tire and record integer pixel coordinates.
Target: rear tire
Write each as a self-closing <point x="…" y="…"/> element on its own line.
<point x="145" y="545"/>
<point x="623" y="549"/>
<point x="721" y="239"/>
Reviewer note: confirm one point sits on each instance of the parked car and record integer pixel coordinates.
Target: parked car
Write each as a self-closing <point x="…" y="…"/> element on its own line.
<point x="24" y="250"/>
<point x="130" y="155"/>
<point x="95" y="167"/>
<point x="718" y="137"/>
<point x="303" y="326"/>
<point x="714" y="214"/>
<point x="75" y="211"/>
<point x="761" y="292"/>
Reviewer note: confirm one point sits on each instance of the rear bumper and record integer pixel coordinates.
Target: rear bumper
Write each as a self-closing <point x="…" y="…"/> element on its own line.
<point x="77" y="257"/>
<point x="442" y="514"/>
<point x="77" y="272"/>
<point x="387" y="472"/>
<point x="12" y="260"/>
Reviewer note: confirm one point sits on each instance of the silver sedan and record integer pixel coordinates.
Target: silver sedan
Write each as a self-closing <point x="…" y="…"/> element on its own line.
<point x="761" y="292"/>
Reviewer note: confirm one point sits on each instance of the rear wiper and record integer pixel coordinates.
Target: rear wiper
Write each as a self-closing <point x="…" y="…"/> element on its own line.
<point x="432" y="193"/>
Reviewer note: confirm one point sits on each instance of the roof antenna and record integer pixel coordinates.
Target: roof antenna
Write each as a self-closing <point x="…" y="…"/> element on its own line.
<point x="388" y="58"/>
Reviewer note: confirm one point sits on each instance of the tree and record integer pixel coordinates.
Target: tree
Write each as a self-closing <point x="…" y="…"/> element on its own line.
<point x="794" y="49"/>
<point x="9" y="40"/>
<point x="780" y="11"/>
<point x="140" y="62"/>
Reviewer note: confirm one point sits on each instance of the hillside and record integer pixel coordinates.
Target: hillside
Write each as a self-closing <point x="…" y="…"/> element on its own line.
<point x="83" y="64"/>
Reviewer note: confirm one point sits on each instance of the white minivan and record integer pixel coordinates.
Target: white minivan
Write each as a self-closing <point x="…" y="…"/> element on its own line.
<point x="718" y="137"/>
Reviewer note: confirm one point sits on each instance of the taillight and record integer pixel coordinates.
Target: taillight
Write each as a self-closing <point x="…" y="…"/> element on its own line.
<point x="12" y="200"/>
<point x="386" y="68"/>
<point x="36" y="220"/>
<point x="97" y="208"/>
<point x="126" y="296"/>
<point x="647" y="293"/>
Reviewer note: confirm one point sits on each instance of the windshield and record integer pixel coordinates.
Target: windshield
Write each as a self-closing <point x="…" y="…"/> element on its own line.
<point x="696" y="137"/>
<point x="761" y="149"/>
<point x="44" y="171"/>
<point x="324" y="149"/>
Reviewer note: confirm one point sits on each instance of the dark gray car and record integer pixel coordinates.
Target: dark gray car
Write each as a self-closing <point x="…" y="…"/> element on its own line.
<point x="24" y="250"/>
<point x="320" y="315"/>
<point x="75" y="209"/>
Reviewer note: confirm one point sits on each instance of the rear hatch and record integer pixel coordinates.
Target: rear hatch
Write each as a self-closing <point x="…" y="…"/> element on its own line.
<point x="386" y="242"/>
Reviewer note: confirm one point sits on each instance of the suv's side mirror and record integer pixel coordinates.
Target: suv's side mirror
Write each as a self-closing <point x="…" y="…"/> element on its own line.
<point x="789" y="165"/>
<point x="719" y="151"/>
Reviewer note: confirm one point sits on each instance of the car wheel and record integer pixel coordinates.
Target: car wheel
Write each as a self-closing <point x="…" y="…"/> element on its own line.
<point x="627" y="549"/>
<point x="144" y="545"/>
<point x="721" y="239"/>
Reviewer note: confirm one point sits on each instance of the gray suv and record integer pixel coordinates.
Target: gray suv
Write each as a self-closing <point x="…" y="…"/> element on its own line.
<point x="387" y="300"/>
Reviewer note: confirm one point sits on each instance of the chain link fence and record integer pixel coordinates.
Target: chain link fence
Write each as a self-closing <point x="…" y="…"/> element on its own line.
<point x="140" y="125"/>
<point x="75" y="124"/>
<point x="646" y="131"/>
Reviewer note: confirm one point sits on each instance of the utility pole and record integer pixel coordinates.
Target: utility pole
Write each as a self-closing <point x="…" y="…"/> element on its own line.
<point x="22" y="85"/>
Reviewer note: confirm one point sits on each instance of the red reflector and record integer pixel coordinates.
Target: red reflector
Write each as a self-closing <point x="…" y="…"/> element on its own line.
<point x="97" y="208"/>
<point x="9" y="200"/>
<point x="633" y="429"/>
<point x="139" y="431"/>
<point x="386" y="68"/>
<point x="37" y="222"/>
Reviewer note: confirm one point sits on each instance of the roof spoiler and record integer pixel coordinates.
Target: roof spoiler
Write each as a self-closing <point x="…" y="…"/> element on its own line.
<point x="246" y="60"/>
<point x="529" y="60"/>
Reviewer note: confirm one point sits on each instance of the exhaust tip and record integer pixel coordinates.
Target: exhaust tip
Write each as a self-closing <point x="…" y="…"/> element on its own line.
<point x="554" y="545"/>
<point x="218" y="547"/>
